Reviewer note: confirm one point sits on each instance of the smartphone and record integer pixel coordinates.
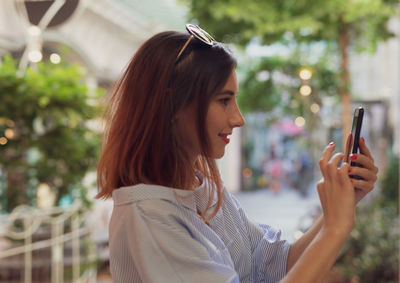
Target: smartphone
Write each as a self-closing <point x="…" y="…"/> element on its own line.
<point x="353" y="146"/>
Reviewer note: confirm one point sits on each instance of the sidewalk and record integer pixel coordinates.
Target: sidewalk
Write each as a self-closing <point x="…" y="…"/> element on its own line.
<point x="286" y="210"/>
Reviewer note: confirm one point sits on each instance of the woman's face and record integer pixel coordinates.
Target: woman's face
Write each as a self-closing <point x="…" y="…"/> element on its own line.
<point x="222" y="116"/>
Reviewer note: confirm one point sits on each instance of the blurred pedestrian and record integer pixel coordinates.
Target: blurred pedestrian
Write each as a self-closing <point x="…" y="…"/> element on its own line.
<point x="273" y="168"/>
<point x="306" y="172"/>
<point x="169" y="118"/>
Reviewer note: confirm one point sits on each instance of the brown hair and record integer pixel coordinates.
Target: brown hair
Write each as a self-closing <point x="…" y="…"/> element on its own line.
<point x="141" y="142"/>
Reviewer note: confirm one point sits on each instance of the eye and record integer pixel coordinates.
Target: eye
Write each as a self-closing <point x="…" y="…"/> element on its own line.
<point x="224" y="101"/>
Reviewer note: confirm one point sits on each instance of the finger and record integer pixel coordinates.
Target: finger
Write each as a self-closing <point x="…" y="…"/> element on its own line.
<point x="321" y="193"/>
<point x="348" y="148"/>
<point x="364" y="173"/>
<point x="320" y="186"/>
<point x="333" y="165"/>
<point x="364" y="149"/>
<point x="335" y="159"/>
<point x="325" y="157"/>
<point x="364" y="161"/>
<point x="344" y="174"/>
<point x="362" y="185"/>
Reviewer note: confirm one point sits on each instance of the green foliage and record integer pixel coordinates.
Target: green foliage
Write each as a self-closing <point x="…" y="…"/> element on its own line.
<point x="371" y="252"/>
<point x="390" y="185"/>
<point x="47" y="111"/>
<point x="340" y="23"/>
<point x="256" y="94"/>
<point x="305" y="20"/>
<point x="281" y="83"/>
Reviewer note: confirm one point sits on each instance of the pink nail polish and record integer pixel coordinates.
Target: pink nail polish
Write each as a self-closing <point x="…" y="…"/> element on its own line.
<point x="332" y="143"/>
<point x="349" y="170"/>
<point x="362" y="140"/>
<point x="353" y="156"/>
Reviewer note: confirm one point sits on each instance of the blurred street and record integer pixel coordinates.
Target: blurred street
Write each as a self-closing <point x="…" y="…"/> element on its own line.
<point x="286" y="210"/>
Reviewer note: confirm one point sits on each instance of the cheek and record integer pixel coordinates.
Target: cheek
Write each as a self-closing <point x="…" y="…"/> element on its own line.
<point x="214" y="118"/>
<point x="185" y="126"/>
<point x="212" y="127"/>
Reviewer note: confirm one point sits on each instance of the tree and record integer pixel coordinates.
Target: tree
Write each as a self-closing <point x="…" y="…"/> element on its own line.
<point x="278" y="77"/>
<point x="356" y="23"/>
<point x="44" y="136"/>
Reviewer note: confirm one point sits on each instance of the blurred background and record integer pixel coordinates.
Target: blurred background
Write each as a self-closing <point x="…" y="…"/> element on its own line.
<point x="304" y="66"/>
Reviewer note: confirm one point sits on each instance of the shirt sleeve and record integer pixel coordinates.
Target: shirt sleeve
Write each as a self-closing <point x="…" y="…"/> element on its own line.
<point x="269" y="253"/>
<point x="161" y="247"/>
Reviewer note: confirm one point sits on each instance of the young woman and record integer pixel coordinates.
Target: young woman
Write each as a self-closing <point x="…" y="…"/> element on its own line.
<point x="170" y="117"/>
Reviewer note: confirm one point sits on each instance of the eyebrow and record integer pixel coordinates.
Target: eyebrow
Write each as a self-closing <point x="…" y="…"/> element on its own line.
<point x="230" y="92"/>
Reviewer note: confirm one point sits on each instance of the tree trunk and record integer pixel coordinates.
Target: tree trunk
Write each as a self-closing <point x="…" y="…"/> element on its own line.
<point x="345" y="82"/>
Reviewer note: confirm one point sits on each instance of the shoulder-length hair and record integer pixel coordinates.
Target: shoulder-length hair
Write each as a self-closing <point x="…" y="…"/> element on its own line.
<point x="141" y="141"/>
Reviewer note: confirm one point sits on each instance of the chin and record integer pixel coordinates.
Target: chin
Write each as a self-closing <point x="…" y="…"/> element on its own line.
<point x="219" y="155"/>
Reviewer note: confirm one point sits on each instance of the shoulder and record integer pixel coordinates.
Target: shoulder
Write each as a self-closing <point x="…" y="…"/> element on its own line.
<point x="231" y="200"/>
<point x="149" y="194"/>
<point x="149" y="203"/>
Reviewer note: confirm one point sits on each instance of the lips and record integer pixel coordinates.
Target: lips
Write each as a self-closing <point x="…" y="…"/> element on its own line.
<point x="224" y="137"/>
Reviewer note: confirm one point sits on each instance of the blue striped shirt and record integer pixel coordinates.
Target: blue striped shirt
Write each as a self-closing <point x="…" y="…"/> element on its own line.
<point x="156" y="235"/>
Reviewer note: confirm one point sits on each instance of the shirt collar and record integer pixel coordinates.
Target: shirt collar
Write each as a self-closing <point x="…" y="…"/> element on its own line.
<point x="130" y="194"/>
<point x="191" y="199"/>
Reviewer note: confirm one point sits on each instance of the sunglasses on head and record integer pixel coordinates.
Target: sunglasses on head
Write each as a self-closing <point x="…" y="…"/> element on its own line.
<point x="200" y="34"/>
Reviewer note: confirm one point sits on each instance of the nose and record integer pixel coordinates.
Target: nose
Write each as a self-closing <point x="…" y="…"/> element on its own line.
<point x="237" y="119"/>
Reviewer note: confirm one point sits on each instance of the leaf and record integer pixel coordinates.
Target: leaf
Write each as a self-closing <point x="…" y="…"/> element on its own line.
<point x="49" y="111"/>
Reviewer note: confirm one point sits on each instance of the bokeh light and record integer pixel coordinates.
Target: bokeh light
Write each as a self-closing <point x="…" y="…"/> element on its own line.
<point x="9" y="133"/>
<point x="55" y="58"/>
<point x="305" y="73"/>
<point x="3" y="141"/>
<point x="300" y="121"/>
<point x="314" y="108"/>
<point x="35" y="56"/>
<point x="305" y="90"/>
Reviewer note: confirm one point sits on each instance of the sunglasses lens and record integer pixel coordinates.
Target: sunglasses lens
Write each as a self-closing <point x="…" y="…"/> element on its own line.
<point x="200" y="34"/>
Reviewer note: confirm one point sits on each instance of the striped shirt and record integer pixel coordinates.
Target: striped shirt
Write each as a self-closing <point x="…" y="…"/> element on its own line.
<point x="156" y="235"/>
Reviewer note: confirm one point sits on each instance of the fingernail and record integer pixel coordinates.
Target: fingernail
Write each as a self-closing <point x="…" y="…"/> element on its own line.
<point x="351" y="180"/>
<point x="362" y="140"/>
<point x="353" y="156"/>
<point x="349" y="170"/>
<point x="331" y="143"/>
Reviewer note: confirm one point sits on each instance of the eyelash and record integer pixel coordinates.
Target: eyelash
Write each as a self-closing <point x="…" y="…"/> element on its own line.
<point x="224" y="101"/>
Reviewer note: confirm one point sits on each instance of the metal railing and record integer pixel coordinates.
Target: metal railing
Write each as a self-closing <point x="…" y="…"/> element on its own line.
<point x="62" y="226"/>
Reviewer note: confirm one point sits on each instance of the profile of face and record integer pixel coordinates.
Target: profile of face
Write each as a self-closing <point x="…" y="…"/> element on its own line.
<point x="223" y="115"/>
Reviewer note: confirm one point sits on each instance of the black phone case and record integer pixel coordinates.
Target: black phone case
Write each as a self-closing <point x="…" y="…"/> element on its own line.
<point x="356" y="139"/>
<point x="358" y="130"/>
